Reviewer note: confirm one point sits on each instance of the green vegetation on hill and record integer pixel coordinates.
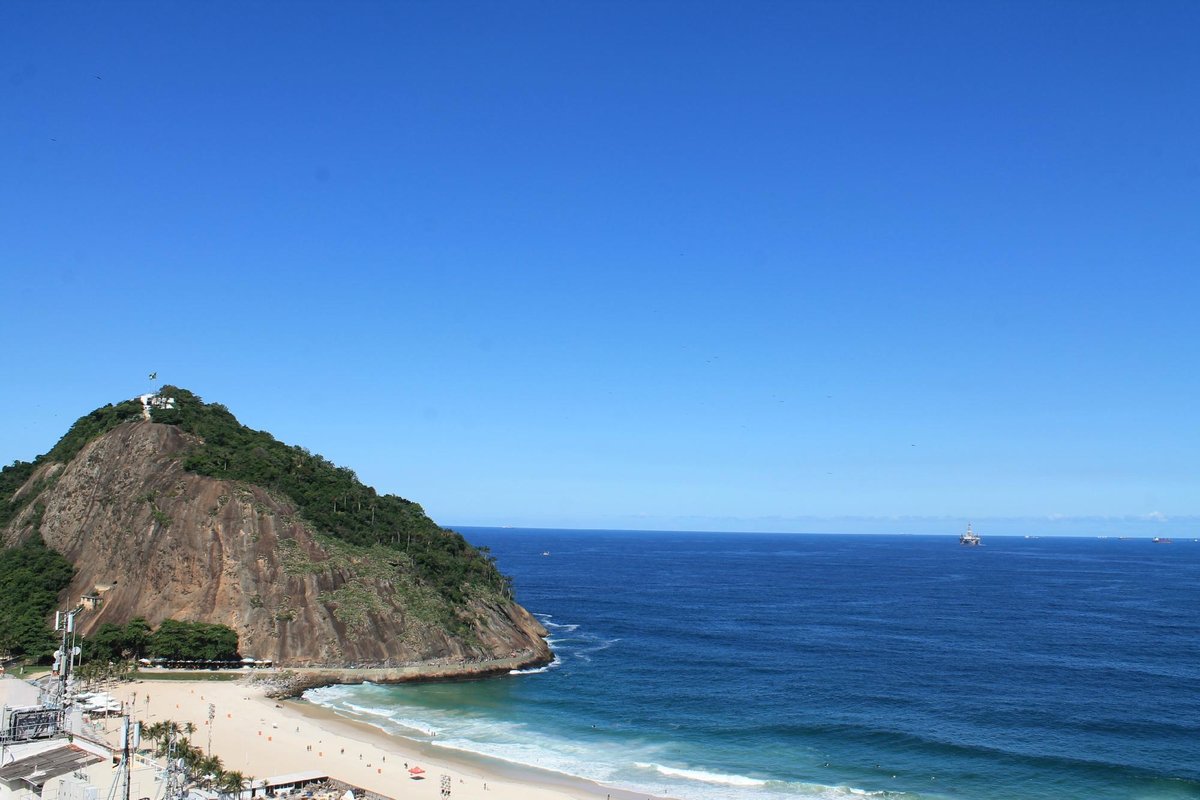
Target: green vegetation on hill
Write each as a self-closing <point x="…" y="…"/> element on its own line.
<point x="92" y="425"/>
<point x="85" y="429"/>
<point x="31" y="576"/>
<point x="432" y="568"/>
<point x="12" y="478"/>
<point x="330" y="498"/>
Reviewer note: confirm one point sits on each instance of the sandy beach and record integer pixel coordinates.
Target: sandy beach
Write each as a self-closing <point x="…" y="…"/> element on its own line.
<point x="264" y="737"/>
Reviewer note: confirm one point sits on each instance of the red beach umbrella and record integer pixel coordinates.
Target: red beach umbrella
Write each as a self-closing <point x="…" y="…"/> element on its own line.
<point x="415" y="771"/>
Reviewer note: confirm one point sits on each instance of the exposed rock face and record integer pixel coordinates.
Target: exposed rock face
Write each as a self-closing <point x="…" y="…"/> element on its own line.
<point x="154" y="541"/>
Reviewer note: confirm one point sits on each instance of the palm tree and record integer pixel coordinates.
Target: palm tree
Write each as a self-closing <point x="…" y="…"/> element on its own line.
<point x="152" y="730"/>
<point x="207" y="770"/>
<point x="190" y="756"/>
<point x="162" y="733"/>
<point x="231" y="783"/>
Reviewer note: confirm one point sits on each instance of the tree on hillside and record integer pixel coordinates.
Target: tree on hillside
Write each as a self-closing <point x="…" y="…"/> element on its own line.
<point x="31" y="576"/>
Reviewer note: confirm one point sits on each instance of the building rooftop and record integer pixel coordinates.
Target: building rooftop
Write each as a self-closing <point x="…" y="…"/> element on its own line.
<point x="290" y="778"/>
<point x="38" y="761"/>
<point x="17" y="693"/>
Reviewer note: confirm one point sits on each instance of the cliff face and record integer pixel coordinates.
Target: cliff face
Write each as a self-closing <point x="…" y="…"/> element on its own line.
<point x="152" y="540"/>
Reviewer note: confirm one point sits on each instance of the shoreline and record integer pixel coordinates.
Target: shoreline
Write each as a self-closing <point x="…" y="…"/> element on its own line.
<point x="469" y="762"/>
<point x="264" y="736"/>
<point x="286" y="682"/>
<point x="301" y="679"/>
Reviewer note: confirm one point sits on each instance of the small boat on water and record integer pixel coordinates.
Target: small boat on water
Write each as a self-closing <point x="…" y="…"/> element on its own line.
<point x="1162" y="540"/>
<point x="970" y="538"/>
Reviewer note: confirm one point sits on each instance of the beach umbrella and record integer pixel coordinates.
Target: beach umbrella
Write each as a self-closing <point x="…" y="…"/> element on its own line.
<point x="416" y="771"/>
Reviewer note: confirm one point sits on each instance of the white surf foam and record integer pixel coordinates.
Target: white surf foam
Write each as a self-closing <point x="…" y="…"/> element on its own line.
<point x="341" y="698"/>
<point x="764" y="788"/>
<point x="367" y="710"/>
<point x="565" y="627"/>
<point x="819" y="792"/>
<point x="634" y="766"/>
<point x="557" y="662"/>
<point x="701" y="775"/>
<point x="587" y="647"/>
<point x="420" y="726"/>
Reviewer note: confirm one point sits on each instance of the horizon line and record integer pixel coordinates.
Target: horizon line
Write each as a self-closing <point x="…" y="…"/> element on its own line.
<point x="564" y="529"/>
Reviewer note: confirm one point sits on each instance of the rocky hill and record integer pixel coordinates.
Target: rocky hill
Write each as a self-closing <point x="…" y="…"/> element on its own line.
<point x="153" y="507"/>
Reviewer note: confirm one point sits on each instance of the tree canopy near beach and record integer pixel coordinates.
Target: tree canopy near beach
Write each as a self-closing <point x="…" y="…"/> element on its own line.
<point x="174" y="640"/>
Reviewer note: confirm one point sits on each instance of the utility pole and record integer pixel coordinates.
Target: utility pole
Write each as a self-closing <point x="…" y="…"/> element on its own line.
<point x="64" y="656"/>
<point x="174" y="788"/>
<point x="131" y="737"/>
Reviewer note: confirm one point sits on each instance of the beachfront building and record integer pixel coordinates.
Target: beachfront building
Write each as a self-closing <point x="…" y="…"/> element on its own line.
<point x="293" y="783"/>
<point x="49" y="754"/>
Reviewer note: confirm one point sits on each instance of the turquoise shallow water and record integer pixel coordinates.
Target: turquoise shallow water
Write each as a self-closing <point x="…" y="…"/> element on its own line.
<point x="744" y="666"/>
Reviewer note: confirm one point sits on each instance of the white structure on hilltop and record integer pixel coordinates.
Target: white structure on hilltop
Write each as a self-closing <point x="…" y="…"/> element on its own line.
<point x="150" y="401"/>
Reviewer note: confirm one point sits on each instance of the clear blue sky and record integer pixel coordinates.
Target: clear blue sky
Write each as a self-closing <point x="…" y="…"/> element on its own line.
<point x="750" y="266"/>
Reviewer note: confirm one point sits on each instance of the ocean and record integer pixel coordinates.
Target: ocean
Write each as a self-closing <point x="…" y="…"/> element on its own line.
<point x="719" y="666"/>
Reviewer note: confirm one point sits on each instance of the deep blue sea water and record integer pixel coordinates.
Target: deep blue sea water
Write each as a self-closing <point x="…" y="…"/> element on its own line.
<point x="762" y="667"/>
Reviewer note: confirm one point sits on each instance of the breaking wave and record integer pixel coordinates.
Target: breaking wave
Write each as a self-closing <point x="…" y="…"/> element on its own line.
<point x="701" y="775"/>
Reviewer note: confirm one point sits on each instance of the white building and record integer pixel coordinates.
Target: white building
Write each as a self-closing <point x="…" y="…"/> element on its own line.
<point x="150" y="401"/>
<point x="48" y="755"/>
